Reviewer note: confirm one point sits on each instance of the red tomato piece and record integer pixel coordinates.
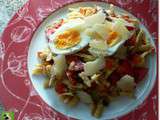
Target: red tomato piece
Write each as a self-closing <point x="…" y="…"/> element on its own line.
<point x="136" y="59"/>
<point x="125" y="68"/>
<point x="109" y="63"/>
<point x="57" y="25"/>
<point x="113" y="78"/>
<point x="131" y="41"/>
<point x="139" y="73"/>
<point x="130" y="28"/>
<point x="60" y="88"/>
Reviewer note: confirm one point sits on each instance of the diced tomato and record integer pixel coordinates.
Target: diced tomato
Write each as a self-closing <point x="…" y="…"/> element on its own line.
<point x="72" y="77"/>
<point x="110" y="63"/>
<point x="125" y="68"/>
<point x="153" y="50"/>
<point x="60" y="88"/>
<point x="113" y="78"/>
<point x="57" y="25"/>
<point x="71" y="58"/>
<point x="131" y="41"/>
<point x="136" y="59"/>
<point x="139" y="73"/>
<point x="130" y="28"/>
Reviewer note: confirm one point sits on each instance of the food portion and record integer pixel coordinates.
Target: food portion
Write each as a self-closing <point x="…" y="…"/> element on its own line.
<point x="94" y="56"/>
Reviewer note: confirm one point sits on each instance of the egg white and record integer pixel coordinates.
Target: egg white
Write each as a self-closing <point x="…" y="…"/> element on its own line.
<point x="100" y="47"/>
<point x="77" y="24"/>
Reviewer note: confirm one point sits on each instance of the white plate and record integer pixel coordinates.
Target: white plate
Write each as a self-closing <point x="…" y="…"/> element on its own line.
<point x="117" y="108"/>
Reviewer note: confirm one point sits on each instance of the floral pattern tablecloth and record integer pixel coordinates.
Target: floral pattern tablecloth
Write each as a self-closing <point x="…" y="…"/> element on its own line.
<point x="30" y="106"/>
<point x="7" y="9"/>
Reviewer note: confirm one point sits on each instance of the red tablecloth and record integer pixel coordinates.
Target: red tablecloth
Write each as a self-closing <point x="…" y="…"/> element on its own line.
<point x="16" y="90"/>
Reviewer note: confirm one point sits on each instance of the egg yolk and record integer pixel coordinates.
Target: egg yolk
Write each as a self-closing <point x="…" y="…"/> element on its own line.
<point x="67" y="39"/>
<point x="112" y="38"/>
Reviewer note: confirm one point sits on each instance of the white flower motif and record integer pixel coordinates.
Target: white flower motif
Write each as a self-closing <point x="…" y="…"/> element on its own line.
<point x="143" y="116"/>
<point x="17" y="65"/>
<point x="20" y="34"/>
<point x="15" y="110"/>
<point x="21" y="13"/>
<point x="153" y="4"/>
<point x="154" y="100"/>
<point x="32" y="91"/>
<point x="42" y="13"/>
<point x="24" y="10"/>
<point x="124" y="2"/>
<point x="2" y="49"/>
<point x="31" y="21"/>
<point x="139" y="1"/>
<point x="33" y="116"/>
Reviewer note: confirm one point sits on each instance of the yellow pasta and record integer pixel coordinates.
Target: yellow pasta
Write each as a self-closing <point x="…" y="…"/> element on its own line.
<point x="74" y="101"/>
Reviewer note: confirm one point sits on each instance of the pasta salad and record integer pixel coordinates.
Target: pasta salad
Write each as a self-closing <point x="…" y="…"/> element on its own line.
<point x="94" y="56"/>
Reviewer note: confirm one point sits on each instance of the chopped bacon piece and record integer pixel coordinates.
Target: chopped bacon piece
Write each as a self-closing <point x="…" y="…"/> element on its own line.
<point x="72" y="76"/>
<point x="76" y="66"/>
<point x="71" y="58"/>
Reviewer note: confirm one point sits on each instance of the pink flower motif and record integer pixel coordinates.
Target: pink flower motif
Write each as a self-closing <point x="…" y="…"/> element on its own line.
<point x="20" y="34"/>
<point x="17" y="65"/>
<point x="35" y="116"/>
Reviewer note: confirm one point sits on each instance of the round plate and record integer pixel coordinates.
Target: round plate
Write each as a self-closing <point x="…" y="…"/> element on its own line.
<point x="18" y="45"/>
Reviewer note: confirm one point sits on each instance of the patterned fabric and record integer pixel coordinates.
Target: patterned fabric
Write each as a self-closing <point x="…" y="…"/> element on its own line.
<point x="26" y="104"/>
<point x="7" y="9"/>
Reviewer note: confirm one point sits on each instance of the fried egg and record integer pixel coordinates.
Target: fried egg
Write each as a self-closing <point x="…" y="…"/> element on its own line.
<point x="69" y="38"/>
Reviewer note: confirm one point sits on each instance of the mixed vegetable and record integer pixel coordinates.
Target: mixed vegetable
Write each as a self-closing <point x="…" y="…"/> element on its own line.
<point x="96" y="80"/>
